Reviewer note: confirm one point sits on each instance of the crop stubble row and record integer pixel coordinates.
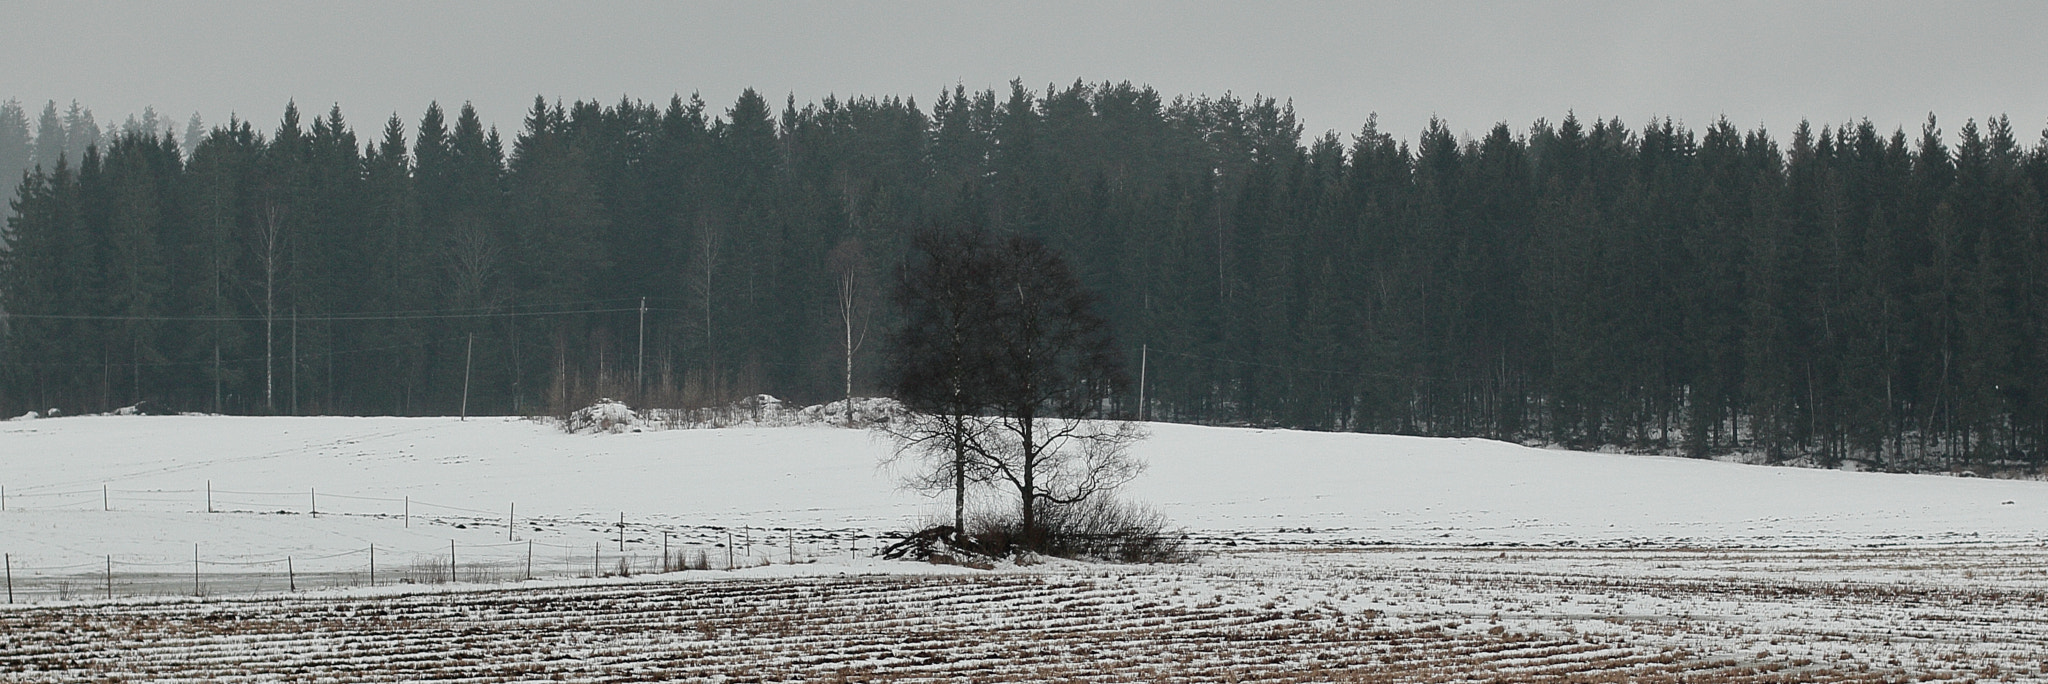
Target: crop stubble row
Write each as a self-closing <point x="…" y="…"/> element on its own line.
<point x="1123" y="625"/>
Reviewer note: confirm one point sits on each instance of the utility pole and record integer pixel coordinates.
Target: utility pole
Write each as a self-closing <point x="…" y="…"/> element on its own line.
<point x="468" y="354"/>
<point x="640" y="358"/>
<point x="295" y="360"/>
<point x="1144" y="356"/>
<point x="215" y="259"/>
<point x="216" y="368"/>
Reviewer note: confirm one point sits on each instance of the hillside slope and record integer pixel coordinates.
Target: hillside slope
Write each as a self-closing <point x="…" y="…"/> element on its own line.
<point x="821" y="490"/>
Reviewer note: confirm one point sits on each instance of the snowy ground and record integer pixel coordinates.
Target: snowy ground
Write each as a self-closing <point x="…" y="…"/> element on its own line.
<point x="1424" y="615"/>
<point x="79" y="489"/>
<point x="1353" y="556"/>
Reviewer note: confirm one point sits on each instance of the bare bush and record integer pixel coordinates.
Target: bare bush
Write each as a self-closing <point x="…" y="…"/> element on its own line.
<point x="1098" y="528"/>
<point x="426" y="570"/>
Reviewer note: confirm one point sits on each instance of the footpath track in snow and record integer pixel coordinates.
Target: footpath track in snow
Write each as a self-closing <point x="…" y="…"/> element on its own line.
<point x="1421" y="615"/>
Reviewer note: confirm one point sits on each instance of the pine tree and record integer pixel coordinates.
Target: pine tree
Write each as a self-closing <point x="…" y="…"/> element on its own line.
<point x="556" y="237"/>
<point x="219" y="206"/>
<point x="51" y="144"/>
<point x="17" y="149"/>
<point x="1846" y="295"/>
<point x="398" y="277"/>
<point x="136" y="183"/>
<point x="80" y="131"/>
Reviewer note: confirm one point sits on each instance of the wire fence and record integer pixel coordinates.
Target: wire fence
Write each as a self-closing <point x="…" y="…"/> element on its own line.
<point x="218" y="500"/>
<point x="619" y="547"/>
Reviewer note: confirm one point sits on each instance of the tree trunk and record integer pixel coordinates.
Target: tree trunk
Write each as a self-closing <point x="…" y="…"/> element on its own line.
<point x="960" y="473"/>
<point x="1030" y="489"/>
<point x="846" y="316"/>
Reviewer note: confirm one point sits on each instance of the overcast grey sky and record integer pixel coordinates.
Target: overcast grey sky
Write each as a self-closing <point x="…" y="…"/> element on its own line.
<point x="1472" y="64"/>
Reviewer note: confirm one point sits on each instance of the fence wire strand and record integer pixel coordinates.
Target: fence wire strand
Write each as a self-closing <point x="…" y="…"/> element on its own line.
<point x="403" y="563"/>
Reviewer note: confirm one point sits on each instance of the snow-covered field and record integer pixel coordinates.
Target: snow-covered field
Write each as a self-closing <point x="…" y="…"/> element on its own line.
<point x="1420" y="615"/>
<point x="1251" y="486"/>
<point x="1330" y="556"/>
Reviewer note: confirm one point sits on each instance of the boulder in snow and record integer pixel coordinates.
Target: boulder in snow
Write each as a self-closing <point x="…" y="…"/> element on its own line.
<point x="607" y="415"/>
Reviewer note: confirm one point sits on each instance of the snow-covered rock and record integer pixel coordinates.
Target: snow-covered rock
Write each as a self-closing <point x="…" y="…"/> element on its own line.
<point x="763" y="410"/>
<point x="867" y="412"/>
<point x="607" y="415"/>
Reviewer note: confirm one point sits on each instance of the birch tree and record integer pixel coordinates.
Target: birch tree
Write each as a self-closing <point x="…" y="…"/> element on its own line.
<point x="849" y="266"/>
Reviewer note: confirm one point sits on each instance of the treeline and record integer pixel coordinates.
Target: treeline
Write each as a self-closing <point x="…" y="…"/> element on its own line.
<point x="1846" y="293"/>
<point x="66" y="133"/>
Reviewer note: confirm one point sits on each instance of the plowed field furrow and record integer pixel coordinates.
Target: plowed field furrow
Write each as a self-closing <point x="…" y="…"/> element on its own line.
<point x="1436" y="616"/>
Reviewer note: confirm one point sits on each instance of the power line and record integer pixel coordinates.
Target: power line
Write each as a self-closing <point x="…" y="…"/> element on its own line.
<point x="246" y="359"/>
<point x="383" y="316"/>
<point x="1275" y="366"/>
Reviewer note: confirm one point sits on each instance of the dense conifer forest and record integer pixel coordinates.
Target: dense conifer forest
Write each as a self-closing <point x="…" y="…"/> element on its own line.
<point x="1834" y="292"/>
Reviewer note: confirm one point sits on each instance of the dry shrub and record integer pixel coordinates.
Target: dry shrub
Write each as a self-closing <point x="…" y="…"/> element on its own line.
<point x="1100" y="528"/>
<point x="425" y="570"/>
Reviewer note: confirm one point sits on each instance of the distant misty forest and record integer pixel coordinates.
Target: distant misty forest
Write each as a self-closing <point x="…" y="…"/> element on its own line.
<point x="1833" y="292"/>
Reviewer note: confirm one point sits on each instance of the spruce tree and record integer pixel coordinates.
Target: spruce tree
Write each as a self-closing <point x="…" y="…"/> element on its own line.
<point x="51" y="144"/>
<point x="17" y="149"/>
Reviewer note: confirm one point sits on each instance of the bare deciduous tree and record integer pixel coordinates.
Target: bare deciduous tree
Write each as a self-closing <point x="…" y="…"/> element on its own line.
<point x="849" y="264"/>
<point x="269" y="250"/>
<point x="1069" y="460"/>
<point x="1002" y="355"/>
<point x="938" y="359"/>
<point x="1054" y="366"/>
